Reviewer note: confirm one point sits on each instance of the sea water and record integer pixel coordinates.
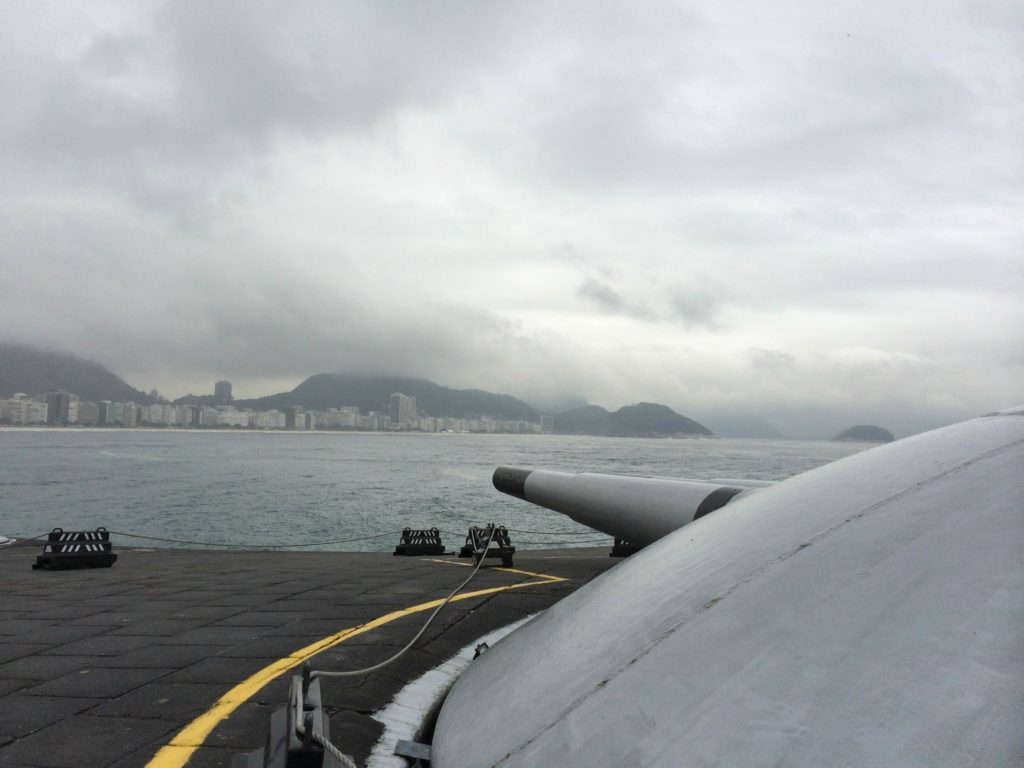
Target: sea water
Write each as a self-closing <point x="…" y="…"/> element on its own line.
<point x="332" y="490"/>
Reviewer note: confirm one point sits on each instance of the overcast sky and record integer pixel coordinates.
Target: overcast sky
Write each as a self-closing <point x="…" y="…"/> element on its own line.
<point x="809" y="211"/>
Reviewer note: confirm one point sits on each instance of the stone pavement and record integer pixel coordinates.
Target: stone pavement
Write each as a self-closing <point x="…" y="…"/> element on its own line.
<point x="103" y="667"/>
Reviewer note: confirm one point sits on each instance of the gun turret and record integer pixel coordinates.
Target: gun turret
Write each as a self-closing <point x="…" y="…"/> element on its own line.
<point x="637" y="509"/>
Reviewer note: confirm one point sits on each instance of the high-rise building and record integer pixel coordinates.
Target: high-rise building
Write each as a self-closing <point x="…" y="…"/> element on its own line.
<point x="20" y="410"/>
<point x="403" y="411"/>
<point x="36" y="413"/>
<point x="294" y="417"/>
<point x="17" y="409"/>
<point x="62" y="407"/>
<point x="129" y="414"/>
<point x="230" y="417"/>
<point x="222" y="391"/>
<point x="88" y="414"/>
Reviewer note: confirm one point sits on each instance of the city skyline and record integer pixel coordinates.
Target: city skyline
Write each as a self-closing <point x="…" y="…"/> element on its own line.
<point x="738" y="423"/>
<point x="808" y="212"/>
<point x="63" y="408"/>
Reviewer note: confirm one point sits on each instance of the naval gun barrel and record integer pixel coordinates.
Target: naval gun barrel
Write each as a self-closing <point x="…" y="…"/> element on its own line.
<point x="637" y="509"/>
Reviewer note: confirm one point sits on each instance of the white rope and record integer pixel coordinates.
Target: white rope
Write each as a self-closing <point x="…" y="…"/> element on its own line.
<point x="426" y="624"/>
<point x="345" y="760"/>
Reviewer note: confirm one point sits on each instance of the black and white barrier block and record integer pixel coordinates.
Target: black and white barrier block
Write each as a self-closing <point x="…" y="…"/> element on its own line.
<point x="420" y="541"/>
<point x="64" y="550"/>
<point x="477" y="545"/>
<point x="296" y="732"/>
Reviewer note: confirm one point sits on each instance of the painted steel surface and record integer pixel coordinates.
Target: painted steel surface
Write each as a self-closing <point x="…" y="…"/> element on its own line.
<point x="638" y="509"/>
<point x="869" y="612"/>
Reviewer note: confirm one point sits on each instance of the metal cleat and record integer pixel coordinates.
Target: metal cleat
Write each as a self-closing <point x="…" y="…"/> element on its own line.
<point x="288" y="746"/>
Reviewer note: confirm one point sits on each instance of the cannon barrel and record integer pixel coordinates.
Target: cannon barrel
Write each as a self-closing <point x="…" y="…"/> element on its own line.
<point x="637" y="509"/>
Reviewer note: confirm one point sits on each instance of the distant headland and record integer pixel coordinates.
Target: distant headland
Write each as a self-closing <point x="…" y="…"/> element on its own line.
<point x="865" y="433"/>
<point x="640" y="420"/>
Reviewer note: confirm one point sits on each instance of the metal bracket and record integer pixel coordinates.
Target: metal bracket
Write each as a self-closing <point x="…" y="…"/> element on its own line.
<point x="477" y="546"/>
<point x="418" y="753"/>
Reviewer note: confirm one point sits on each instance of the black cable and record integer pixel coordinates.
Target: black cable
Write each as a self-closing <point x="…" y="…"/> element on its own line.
<point x="31" y="538"/>
<point x="256" y="546"/>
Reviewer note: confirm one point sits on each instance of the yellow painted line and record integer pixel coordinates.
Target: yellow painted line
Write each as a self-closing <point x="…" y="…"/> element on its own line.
<point x="504" y="570"/>
<point x="179" y="749"/>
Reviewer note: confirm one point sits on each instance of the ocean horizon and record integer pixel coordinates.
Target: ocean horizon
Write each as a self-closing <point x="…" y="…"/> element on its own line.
<point x="335" y="490"/>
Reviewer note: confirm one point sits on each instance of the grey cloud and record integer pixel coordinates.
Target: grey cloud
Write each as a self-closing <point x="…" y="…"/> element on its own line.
<point x="690" y="306"/>
<point x="611" y="301"/>
<point x="603" y="295"/>
<point x="848" y="114"/>
<point x="273" y="323"/>
<point x="167" y="109"/>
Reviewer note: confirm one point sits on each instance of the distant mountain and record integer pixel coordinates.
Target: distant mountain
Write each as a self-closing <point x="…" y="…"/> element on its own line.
<point x="556" y="403"/>
<point x="865" y="433"/>
<point x="640" y="420"/>
<point x="373" y="393"/>
<point x="587" y="420"/>
<point x="33" y="371"/>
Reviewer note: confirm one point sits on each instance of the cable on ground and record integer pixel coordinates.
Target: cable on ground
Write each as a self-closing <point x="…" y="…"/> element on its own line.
<point x="426" y="624"/>
<point x="347" y="761"/>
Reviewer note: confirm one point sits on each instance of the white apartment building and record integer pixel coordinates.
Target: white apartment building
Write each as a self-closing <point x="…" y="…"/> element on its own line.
<point x="267" y="420"/>
<point x="230" y="417"/>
